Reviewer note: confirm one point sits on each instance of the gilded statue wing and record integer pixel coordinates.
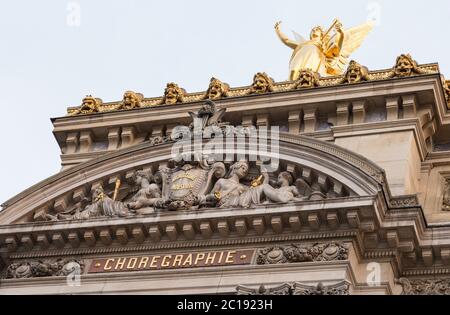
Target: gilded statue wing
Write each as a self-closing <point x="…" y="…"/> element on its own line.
<point x="353" y="39"/>
<point x="298" y="38"/>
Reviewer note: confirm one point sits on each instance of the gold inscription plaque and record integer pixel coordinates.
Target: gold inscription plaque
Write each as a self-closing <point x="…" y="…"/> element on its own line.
<point x="172" y="261"/>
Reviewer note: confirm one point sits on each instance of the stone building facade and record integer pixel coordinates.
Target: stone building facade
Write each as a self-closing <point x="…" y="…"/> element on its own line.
<point x="349" y="193"/>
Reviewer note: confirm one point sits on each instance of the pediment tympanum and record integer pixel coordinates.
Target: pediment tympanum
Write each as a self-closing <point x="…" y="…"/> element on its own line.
<point x="148" y="179"/>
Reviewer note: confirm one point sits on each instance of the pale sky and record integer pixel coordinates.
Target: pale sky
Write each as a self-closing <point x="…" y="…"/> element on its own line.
<point x="48" y="62"/>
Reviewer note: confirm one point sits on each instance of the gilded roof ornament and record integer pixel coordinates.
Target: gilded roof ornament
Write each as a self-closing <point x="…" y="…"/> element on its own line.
<point x="262" y="83"/>
<point x="89" y="105"/>
<point x="447" y="92"/>
<point x="217" y="89"/>
<point x="173" y="94"/>
<point x="406" y="66"/>
<point x="356" y="73"/>
<point x="131" y="100"/>
<point x="326" y="52"/>
<point x="307" y="79"/>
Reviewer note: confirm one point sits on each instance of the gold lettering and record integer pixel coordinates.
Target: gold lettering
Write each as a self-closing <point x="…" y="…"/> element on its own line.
<point x="199" y="257"/>
<point x="143" y="263"/>
<point x="182" y="187"/>
<point x="107" y="264"/>
<point x="120" y="263"/>
<point x="220" y="257"/>
<point x="186" y="175"/>
<point x="177" y="260"/>
<point x="188" y="260"/>
<point x="230" y="257"/>
<point x="210" y="258"/>
<point x="154" y="262"/>
<point x="166" y="261"/>
<point x="132" y="263"/>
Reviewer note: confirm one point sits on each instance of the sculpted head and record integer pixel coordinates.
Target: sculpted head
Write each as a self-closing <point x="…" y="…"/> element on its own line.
<point x="90" y="104"/>
<point x="355" y="73"/>
<point x="405" y="66"/>
<point x="262" y="83"/>
<point x="141" y="175"/>
<point x="285" y="179"/>
<point x="173" y="94"/>
<point x="240" y="169"/>
<point x="131" y="100"/>
<point x="307" y="79"/>
<point x="317" y="33"/>
<point x="217" y="89"/>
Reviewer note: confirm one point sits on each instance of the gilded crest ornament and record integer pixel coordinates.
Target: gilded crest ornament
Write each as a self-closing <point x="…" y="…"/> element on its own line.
<point x="326" y="52"/>
<point x="217" y="89"/>
<point x="89" y="105"/>
<point x="355" y="73"/>
<point x="447" y="92"/>
<point x="406" y="66"/>
<point x="173" y="94"/>
<point x="307" y="79"/>
<point x="131" y="100"/>
<point x="262" y="83"/>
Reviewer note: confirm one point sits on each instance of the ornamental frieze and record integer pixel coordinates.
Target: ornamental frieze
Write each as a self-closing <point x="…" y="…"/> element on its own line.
<point x="322" y="252"/>
<point x="341" y="288"/>
<point x="302" y="253"/>
<point x="189" y="182"/>
<point x="405" y="66"/>
<point x="49" y="268"/>
<point x="436" y="286"/>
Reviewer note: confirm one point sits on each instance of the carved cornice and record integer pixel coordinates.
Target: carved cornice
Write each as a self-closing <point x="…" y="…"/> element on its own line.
<point x="272" y="87"/>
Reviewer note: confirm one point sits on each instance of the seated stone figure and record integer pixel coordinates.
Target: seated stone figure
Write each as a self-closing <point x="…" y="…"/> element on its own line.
<point x="148" y="194"/>
<point x="230" y="193"/>
<point x="101" y="205"/>
<point x="286" y="191"/>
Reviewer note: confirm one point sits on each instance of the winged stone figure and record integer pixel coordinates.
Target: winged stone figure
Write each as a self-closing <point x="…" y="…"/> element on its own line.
<point x="326" y="52"/>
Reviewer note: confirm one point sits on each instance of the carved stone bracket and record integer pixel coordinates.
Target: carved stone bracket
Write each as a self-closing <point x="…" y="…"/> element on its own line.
<point x="297" y="253"/>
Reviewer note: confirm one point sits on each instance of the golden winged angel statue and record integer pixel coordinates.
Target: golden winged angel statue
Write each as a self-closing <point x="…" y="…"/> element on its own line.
<point x="326" y="52"/>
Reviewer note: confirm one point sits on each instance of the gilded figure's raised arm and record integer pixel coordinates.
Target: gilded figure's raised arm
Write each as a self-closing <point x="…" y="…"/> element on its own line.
<point x="288" y="42"/>
<point x="335" y="49"/>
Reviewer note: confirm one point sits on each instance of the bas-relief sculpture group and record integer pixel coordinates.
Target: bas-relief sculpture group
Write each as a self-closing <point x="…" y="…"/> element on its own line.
<point x="190" y="186"/>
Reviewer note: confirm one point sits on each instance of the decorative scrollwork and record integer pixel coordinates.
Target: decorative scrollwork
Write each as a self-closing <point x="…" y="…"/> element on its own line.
<point x="302" y="253"/>
<point x="34" y="269"/>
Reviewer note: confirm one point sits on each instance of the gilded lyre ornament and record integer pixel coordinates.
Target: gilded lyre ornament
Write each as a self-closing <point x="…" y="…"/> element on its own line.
<point x="262" y="83"/>
<point x="131" y="100"/>
<point x="355" y="73"/>
<point x="173" y="94"/>
<point x="326" y="52"/>
<point x="217" y="89"/>
<point x="89" y="105"/>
